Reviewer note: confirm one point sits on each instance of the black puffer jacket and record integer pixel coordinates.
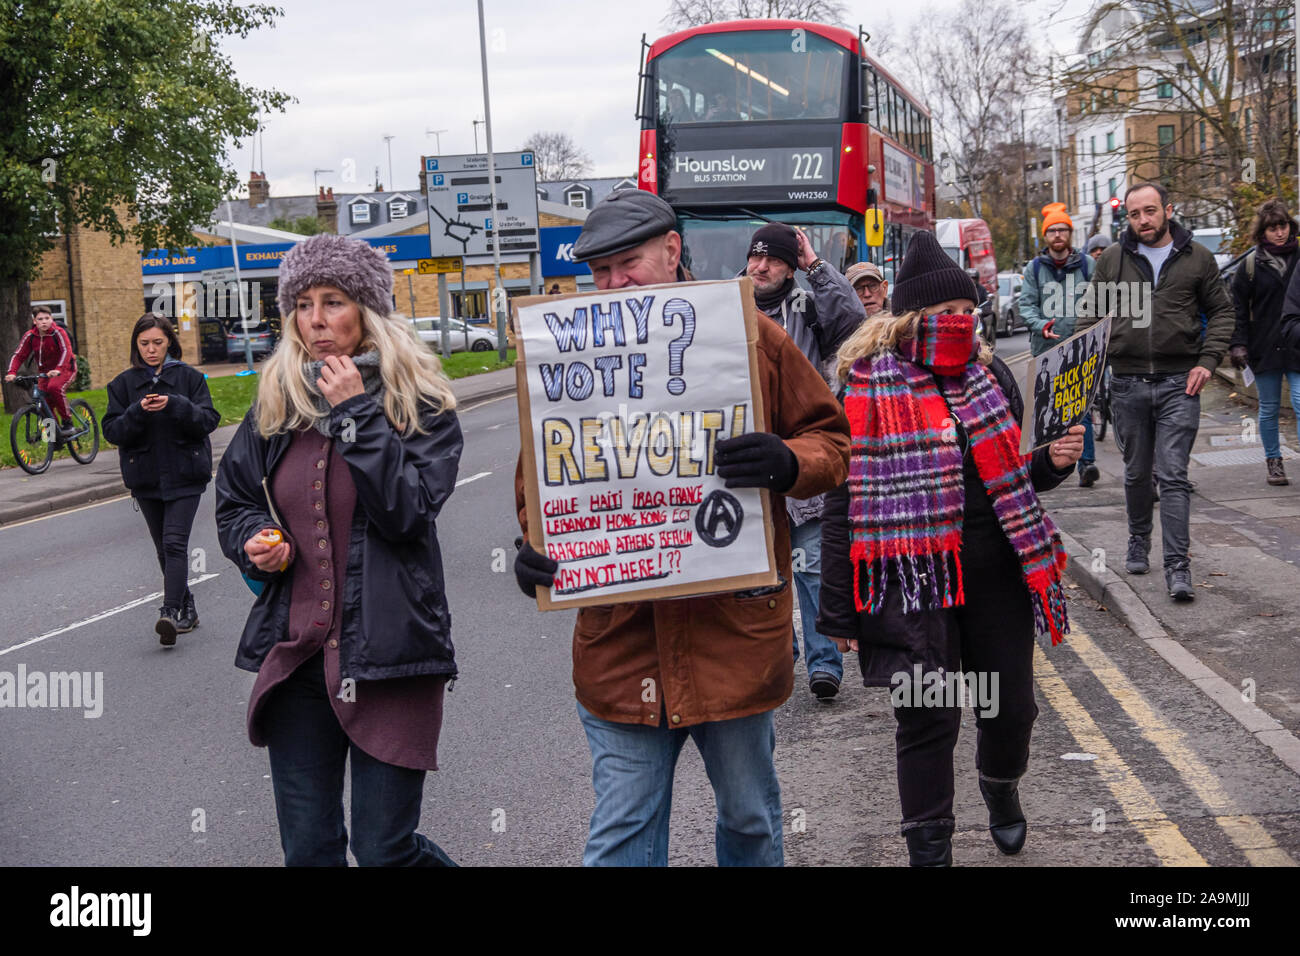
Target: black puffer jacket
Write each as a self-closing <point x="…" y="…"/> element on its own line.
<point x="165" y="454"/>
<point x="395" y="617"/>
<point x="918" y="633"/>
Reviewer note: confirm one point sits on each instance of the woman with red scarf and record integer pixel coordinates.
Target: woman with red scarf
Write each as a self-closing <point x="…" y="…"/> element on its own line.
<point x="938" y="562"/>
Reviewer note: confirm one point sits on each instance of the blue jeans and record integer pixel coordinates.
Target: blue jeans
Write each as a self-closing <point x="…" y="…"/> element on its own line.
<point x="632" y="771"/>
<point x="1268" y="385"/>
<point x="820" y="651"/>
<point x="308" y="750"/>
<point x="1089" y="456"/>
<point x="1155" y="426"/>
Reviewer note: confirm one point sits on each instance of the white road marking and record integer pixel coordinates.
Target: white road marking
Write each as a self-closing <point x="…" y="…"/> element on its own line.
<point x="466" y="481"/>
<point x="69" y="511"/>
<point x="500" y="398"/>
<point x="148" y="598"/>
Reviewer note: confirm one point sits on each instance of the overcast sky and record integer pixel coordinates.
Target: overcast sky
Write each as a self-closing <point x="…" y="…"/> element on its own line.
<point x="360" y="71"/>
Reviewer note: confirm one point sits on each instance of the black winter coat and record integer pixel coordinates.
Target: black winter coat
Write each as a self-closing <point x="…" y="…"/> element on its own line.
<point x="916" y="637"/>
<point x="165" y="454"/>
<point x="1260" y="306"/>
<point x="395" y="617"/>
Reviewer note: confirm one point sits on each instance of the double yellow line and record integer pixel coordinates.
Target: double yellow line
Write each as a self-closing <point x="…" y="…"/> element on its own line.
<point x="1139" y="807"/>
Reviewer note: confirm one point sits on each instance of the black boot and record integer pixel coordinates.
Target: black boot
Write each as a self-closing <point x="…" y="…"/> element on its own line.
<point x="1006" y="819"/>
<point x="166" y="626"/>
<point x="929" y="844"/>
<point x="188" y="616"/>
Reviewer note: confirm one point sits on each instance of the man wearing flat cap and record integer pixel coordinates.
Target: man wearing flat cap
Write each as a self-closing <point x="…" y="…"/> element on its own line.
<point x="721" y="662"/>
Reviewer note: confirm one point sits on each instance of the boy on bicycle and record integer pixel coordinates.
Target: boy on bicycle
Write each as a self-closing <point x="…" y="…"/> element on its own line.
<point x="54" y="356"/>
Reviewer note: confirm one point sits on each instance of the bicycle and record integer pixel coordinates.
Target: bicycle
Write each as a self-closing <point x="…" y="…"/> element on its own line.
<point x="34" y="431"/>
<point x="1100" y="411"/>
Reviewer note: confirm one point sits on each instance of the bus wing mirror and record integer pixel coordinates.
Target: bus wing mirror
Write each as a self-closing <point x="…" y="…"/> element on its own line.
<point x="875" y="227"/>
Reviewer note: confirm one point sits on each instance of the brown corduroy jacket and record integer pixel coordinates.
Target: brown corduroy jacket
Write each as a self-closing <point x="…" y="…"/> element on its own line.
<point x="719" y="656"/>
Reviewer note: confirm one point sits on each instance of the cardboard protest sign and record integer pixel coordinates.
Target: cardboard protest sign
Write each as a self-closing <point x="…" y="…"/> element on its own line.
<point x="623" y="395"/>
<point x="1061" y="385"/>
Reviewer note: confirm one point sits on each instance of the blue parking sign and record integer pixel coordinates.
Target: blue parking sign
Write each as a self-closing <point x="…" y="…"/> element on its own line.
<point x="438" y="179"/>
<point x="487" y="224"/>
<point x="462" y="198"/>
<point x="526" y="159"/>
<point x="430" y="165"/>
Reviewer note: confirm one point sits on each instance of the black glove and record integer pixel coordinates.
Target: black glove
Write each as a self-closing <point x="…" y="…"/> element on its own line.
<point x="1239" y="357"/>
<point x="756" y="460"/>
<point x="532" y="569"/>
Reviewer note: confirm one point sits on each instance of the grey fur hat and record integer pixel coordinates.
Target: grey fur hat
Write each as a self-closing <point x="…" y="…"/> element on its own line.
<point x="1099" y="241"/>
<point x="354" y="266"/>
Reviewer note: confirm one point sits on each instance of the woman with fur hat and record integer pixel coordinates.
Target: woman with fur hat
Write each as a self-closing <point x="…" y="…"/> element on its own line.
<point x="938" y="562"/>
<point x="329" y="493"/>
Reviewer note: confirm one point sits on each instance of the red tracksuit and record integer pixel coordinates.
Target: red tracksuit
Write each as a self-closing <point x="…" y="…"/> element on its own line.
<point x="53" y="355"/>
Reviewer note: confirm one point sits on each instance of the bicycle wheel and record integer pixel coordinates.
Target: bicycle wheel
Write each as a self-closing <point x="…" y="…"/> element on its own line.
<point x="84" y="445"/>
<point x="33" y="448"/>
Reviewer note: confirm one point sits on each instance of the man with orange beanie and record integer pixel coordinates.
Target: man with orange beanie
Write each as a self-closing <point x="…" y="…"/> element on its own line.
<point x="1049" y="299"/>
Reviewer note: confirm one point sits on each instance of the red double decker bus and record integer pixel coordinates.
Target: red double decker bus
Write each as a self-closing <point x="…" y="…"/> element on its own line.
<point x="778" y="120"/>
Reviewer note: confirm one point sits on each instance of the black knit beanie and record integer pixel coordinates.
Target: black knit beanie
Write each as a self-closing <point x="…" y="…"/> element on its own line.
<point x="927" y="277"/>
<point x="777" y="240"/>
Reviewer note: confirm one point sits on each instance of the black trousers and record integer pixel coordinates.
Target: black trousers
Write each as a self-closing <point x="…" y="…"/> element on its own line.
<point x="994" y="636"/>
<point x="169" y="525"/>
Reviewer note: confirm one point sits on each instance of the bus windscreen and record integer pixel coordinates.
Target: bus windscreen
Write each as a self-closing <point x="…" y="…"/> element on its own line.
<point x="719" y="248"/>
<point x="750" y="76"/>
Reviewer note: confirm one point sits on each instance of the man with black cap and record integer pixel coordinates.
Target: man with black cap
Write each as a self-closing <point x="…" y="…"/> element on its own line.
<point x="718" y="665"/>
<point x="818" y="322"/>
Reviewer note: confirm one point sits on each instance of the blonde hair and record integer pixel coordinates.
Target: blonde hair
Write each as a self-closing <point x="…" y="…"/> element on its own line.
<point x="883" y="332"/>
<point x="411" y="373"/>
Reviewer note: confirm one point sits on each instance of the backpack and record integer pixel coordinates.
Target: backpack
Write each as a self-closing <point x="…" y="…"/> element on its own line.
<point x="1086" y="265"/>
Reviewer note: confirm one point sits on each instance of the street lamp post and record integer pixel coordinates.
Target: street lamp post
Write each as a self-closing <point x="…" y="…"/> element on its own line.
<point x="388" y="138"/>
<point x="437" y="139"/>
<point x="239" y="289"/>
<point x="498" y="292"/>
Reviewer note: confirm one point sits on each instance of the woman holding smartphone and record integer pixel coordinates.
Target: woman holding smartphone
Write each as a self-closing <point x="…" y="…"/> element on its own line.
<point x="160" y="415"/>
<point x="329" y="493"/>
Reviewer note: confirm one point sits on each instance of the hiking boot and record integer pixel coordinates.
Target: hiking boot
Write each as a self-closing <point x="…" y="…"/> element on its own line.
<point x="929" y="845"/>
<point x="823" y="685"/>
<point x="1138" y="549"/>
<point x="188" y="618"/>
<point x="1276" y="474"/>
<point x="166" y="626"/>
<point x="1179" y="582"/>
<point x="1088" y="475"/>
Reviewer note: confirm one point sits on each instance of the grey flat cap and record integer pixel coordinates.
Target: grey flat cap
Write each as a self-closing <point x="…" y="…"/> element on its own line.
<point x="623" y="219"/>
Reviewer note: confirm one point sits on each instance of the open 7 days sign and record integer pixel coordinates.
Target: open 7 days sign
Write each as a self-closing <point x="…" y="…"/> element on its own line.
<point x="623" y="396"/>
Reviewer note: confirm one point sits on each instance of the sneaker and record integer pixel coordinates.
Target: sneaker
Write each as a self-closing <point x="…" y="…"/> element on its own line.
<point x="188" y="618"/>
<point x="1088" y="475"/>
<point x="166" y="626"/>
<point x="1179" y="581"/>
<point x="824" y="686"/>
<point x="1138" y="549"/>
<point x="1276" y="473"/>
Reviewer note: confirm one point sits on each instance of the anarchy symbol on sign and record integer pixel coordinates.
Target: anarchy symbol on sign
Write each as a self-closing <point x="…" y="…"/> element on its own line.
<point x="719" y="509"/>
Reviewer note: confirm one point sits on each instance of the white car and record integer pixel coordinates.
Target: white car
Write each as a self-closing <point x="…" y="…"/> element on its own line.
<point x="429" y="329"/>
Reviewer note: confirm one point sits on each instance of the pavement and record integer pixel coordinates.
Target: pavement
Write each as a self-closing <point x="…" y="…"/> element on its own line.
<point x="69" y="485"/>
<point x="1237" y="642"/>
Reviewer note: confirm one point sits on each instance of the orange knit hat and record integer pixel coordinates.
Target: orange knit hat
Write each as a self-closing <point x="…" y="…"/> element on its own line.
<point x="1054" y="213"/>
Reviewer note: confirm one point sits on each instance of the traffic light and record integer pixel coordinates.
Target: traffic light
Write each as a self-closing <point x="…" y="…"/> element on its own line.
<point x="1118" y="217"/>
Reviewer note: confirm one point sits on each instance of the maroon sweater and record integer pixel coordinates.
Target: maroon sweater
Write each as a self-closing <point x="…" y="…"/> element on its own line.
<point x="397" y="720"/>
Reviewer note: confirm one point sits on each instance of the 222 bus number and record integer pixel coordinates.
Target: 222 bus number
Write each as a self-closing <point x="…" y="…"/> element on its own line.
<point x="804" y="163"/>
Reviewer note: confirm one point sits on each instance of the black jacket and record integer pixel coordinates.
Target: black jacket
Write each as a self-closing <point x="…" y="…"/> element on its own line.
<point x="1261" y="305"/>
<point x="395" y="617"/>
<point x="838" y="615"/>
<point x="165" y="454"/>
<point x="1160" y="330"/>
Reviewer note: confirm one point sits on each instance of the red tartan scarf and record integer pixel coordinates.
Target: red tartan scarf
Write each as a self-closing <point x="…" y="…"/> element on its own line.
<point x="907" y="495"/>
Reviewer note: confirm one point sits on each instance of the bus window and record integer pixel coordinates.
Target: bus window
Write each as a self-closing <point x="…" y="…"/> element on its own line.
<point x="869" y="102"/>
<point x="753" y="75"/>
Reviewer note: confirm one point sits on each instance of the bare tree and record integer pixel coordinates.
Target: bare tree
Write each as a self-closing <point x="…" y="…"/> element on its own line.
<point x="1204" y="91"/>
<point x="692" y="13"/>
<point x="974" y="76"/>
<point x="556" y="156"/>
